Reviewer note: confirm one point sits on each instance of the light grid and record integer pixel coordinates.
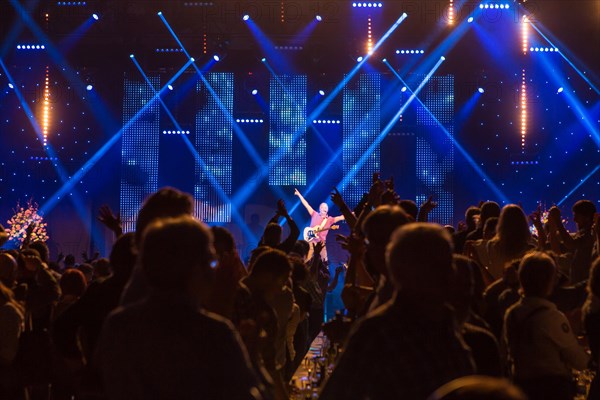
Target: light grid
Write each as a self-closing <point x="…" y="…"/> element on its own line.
<point x="214" y="142"/>
<point x="435" y="164"/>
<point x="361" y="116"/>
<point x="287" y="121"/>
<point x="140" y="144"/>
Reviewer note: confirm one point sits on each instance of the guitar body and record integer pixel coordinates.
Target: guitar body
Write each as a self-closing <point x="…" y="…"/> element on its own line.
<point x="310" y="233"/>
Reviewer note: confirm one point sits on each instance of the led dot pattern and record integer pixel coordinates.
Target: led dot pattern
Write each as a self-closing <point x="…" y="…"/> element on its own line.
<point x="140" y="145"/>
<point x="435" y="163"/>
<point x="361" y="120"/>
<point x="287" y="130"/>
<point x="214" y="144"/>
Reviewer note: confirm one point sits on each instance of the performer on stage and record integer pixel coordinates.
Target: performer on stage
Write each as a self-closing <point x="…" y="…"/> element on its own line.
<point x="320" y="222"/>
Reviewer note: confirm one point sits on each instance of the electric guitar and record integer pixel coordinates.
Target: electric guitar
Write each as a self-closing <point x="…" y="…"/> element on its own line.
<point x="310" y="234"/>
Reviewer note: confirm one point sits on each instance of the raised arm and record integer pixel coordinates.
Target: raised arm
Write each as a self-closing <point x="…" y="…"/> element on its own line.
<point x="304" y="202"/>
<point x="347" y="214"/>
<point x="288" y="244"/>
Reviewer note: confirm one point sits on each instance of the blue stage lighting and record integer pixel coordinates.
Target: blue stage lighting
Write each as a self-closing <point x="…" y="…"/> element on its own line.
<point x="159" y="13"/>
<point x="403" y="89"/>
<point x="10" y="85"/>
<point x="443" y="58"/>
<point x="319" y="18"/>
<point x="480" y="90"/>
<point x="131" y="56"/>
<point x="359" y="59"/>
<point x="216" y="58"/>
<point x="89" y="87"/>
<point x="560" y="90"/>
<point x="95" y="16"/>
<point x="322" y="92"/>
<point x="246" y="17"/>
<point x="470" y="19"/>
<point x="170" y="87"/>
<point x="263" y="59"/>
<point x="254" y="92"/>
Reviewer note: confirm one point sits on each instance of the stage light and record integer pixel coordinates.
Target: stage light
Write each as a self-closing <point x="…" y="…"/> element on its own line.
<point x="403" y="89"/>
<point x="10" y="85"/>
<point x="170" y="87"/>
<point x="95" y="16"/>
<point x="246" y="17"/>
<point x="159" y="13"/>
<point x="470" y="19"/>
<point x="216" y="58"/>
<point x="322" y="92"/>
<point x="480" y="90"/>
<point x="254" y="92"/>
<point x="560" y="90"/>
<point x="263" y="59"/>
<point x="443" y="58"/>
<point x="359" y="59"/>
<point x="89" y="87"/>
<point x="384" y="60"/>
<point x="131" y="56"/>
<point x="319" y="18"/>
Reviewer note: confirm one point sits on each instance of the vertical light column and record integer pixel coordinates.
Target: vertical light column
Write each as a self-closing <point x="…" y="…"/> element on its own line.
<point x="214" y="142"/>
<point x="451" y="13"/>
<point x="525" y="34"/>
<point x="361" y="127"/>
<point x="523" y="108"/>
<point x="435" y="150"/>
<point x="287" y="130"/>
<point x="140" y="145"/>
<point x="46" y="107"/>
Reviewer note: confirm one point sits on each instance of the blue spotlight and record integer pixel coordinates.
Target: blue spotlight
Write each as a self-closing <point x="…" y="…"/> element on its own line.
<point x="560" y="90"/>
<point x="246" y="17"/>
<point x="443" y="58"/>
<point x="159" y="13"/>
<point x="470" y="19"/>
<point x="131" y="56"/>
<point x="403" y="89"/>
<point x="263" y="59"/>
<point x="254" y="92"/>
<point x="95" y="16"/>
<point x="480" y="90"/>
<point x="216" y="58"/>
<point x="359" y="59"/>
<point x="89" y="87"/>
<point x="319" y="18"/>
<point x="10" y="85"/>
<point x="322" y="92"/>
<point x="170" y="87"/>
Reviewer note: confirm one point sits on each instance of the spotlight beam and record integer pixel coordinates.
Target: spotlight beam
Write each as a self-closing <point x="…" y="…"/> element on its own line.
<point x="98" y="109"/>
<point x="457" y="145"/>
<point x="221" y="193"/>
<point x="276" y="77"/>
<point x="581" y="182"/>
<point x="55" y="198"/>
<point x="361" y="161"/>
<point x="577" y="70"/>
<point x="263" y="168"/>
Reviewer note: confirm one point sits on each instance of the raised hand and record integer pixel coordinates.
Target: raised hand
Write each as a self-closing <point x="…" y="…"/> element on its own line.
<point x="337" y="198"/>
<point x="296" y="192"/>
<point x="429" y="205"/>
<point x="281" y="210"/>
<point x="318" y="247"/>
<point x="110" y="220"/>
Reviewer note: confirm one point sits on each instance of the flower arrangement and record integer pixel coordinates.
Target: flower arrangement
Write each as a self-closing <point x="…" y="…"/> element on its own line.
<point x="27" y="218"/>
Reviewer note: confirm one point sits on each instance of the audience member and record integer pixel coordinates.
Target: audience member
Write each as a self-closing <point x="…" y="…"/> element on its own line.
<point x="404" y="337"/>
<point x="165" y="346"/>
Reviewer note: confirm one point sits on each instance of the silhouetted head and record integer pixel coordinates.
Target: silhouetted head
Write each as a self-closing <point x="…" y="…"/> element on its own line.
<point x="537" y="274"/>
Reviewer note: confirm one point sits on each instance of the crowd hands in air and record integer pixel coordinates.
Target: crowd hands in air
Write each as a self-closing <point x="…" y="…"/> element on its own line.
<point x="486" y="310"/>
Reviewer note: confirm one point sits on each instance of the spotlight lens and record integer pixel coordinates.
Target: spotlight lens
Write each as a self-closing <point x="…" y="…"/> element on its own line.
<point x="470" y="20"/>
<point x="319" y="18"/>
<point x="263" y="59"/>
<point x="403" y="89"/>
<point x="216" y="58"/>
<point x="89" y="87"/>
<point x="322" y="92"/>
<point x="170" y="87"/>
<point x="10" y="85"/>
<point x="246" y="17"/>
<point x="560" y="90"/>
<point x="480" y="90"/>
<point x="359" y="59"/>
<point x="254" y="92"/>
<point x="95" y="16"/>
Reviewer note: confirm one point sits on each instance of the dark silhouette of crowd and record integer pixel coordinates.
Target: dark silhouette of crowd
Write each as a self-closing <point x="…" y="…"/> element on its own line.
<point x="506" y="305"/>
